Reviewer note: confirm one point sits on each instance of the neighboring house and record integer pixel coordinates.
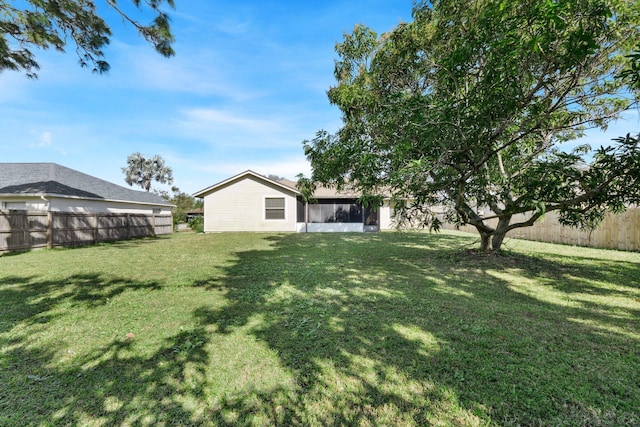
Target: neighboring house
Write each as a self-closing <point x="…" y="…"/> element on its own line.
<point x="194" y="213"/>
<point x="54" y="188"/>
<point x="48" y="205"/>
<point x="252" y="202"/>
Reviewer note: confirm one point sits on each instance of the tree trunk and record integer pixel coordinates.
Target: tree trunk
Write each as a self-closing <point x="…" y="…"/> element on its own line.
<point x="496" y="240"/>
<point x="491" y="241"/>
<point x="500" y="233"/>
<point x="485" y="242"/>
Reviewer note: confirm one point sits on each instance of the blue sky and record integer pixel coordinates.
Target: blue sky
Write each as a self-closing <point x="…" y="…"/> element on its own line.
<point x="247" y="85"/>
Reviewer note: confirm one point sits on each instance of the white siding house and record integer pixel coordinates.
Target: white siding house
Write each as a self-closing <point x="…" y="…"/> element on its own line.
<point x="252" y="202"/>
<point x="48" y="205"/>
<point x="54" y="188"/>
<point x="249" y="202"/>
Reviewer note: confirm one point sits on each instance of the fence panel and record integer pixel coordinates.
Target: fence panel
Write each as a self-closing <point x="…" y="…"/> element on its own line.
<point x="621" y="231"/>
<point x="71" y="229"/>
<point x="163" y="224"/>
<point x="24" y="230"/>
<point x="111" y="227"/>
<point x="141" y="225"/>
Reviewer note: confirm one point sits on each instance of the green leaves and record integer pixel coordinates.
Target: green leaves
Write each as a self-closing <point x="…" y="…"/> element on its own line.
<point x="355" y="52"/>
<point x="51" y="23"/>
<point x="464" y="107"/>
<point x="632" y="72"/>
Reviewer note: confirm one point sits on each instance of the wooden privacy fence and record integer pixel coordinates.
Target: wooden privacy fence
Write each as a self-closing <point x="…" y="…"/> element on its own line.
<point x="621" y="231"/>
<point x="24" y="230"/>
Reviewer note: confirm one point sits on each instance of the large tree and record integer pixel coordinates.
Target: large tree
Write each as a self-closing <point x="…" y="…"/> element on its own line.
<point x="464" y="114"/>
<point x="44" y="24"/>
<point x="142" y="171"/>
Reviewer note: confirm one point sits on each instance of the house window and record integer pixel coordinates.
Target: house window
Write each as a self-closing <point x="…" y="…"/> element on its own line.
<point x="274" y="208"/>
<point x="15" y="206"/>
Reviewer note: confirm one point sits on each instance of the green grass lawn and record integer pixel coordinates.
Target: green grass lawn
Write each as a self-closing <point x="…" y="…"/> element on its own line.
<point x="319" y="329"/>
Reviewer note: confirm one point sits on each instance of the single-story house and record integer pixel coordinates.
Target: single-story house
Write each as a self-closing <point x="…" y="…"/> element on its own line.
<point x="48" y="205"/>
<point x="252" y="202"/>
<point x="54" y="188"/>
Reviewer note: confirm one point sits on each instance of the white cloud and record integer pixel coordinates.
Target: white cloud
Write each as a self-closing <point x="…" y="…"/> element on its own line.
<point x="44" y="139"/>
<point x="226" y="129"/>
<point x="200" y="72"/>
<point x="217" y="120"/>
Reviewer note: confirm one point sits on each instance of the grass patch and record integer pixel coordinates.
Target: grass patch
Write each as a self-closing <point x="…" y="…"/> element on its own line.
<point x="319" y="329"/>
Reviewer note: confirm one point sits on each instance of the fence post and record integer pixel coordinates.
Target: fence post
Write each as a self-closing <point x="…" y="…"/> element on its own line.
<point x="128" y="216"/>
<point x="96" y="230"/>
<point x="49" y="229"/>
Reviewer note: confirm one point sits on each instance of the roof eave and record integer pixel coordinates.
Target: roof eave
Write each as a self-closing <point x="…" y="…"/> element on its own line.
<point x="204" y="192"/>
<point x="97" y="199"/>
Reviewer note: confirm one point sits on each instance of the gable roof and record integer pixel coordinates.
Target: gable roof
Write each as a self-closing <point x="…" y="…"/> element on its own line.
<point x="286" y="184"/>
<point x="52" y="179"/>
<point x="245" y="174"/>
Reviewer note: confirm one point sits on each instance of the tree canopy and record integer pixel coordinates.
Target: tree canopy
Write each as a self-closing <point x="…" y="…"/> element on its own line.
<point x="465" y="114"/>
<point x="183" y="203"/>
<point x="45" y="24"/>
<point x="142" y="171"/>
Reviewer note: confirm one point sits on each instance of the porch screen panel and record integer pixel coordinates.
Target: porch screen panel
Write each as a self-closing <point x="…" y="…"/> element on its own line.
<point x="314" y="213"/>
<point x="327" y="212"/>
<point x="341" y="212"/>
<point x="335" y="210"/>
<point x="274" y="208"/>
<point x="355" y="213"/>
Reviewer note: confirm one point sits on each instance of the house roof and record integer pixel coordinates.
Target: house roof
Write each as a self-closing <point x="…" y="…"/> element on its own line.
<point x="52" y="179"/>
<point x="286" y="184"/>
<point x="325" y="192"/>
<point x="245" y="174"/>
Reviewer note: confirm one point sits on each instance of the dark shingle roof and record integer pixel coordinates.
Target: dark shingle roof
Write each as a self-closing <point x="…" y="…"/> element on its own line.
<point x="51" y="179"/>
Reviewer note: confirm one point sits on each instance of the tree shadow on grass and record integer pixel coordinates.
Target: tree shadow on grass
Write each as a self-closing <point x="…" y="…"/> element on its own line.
<point x="421" y="334"/>
<point x="29" y="300"/>
<point x="124" y="244"/>
<point x="388" y="329"/>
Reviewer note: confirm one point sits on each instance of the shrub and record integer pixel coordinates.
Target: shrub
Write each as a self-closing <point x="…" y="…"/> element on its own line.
<point x="197" y="224"/>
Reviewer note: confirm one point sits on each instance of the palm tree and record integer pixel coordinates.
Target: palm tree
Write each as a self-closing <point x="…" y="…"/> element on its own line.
<point x="141" y="171"/>
<point x="306" y="187"/>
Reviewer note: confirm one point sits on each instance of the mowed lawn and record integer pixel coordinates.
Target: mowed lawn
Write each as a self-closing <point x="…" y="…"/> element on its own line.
<point x="319" y="329"/>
